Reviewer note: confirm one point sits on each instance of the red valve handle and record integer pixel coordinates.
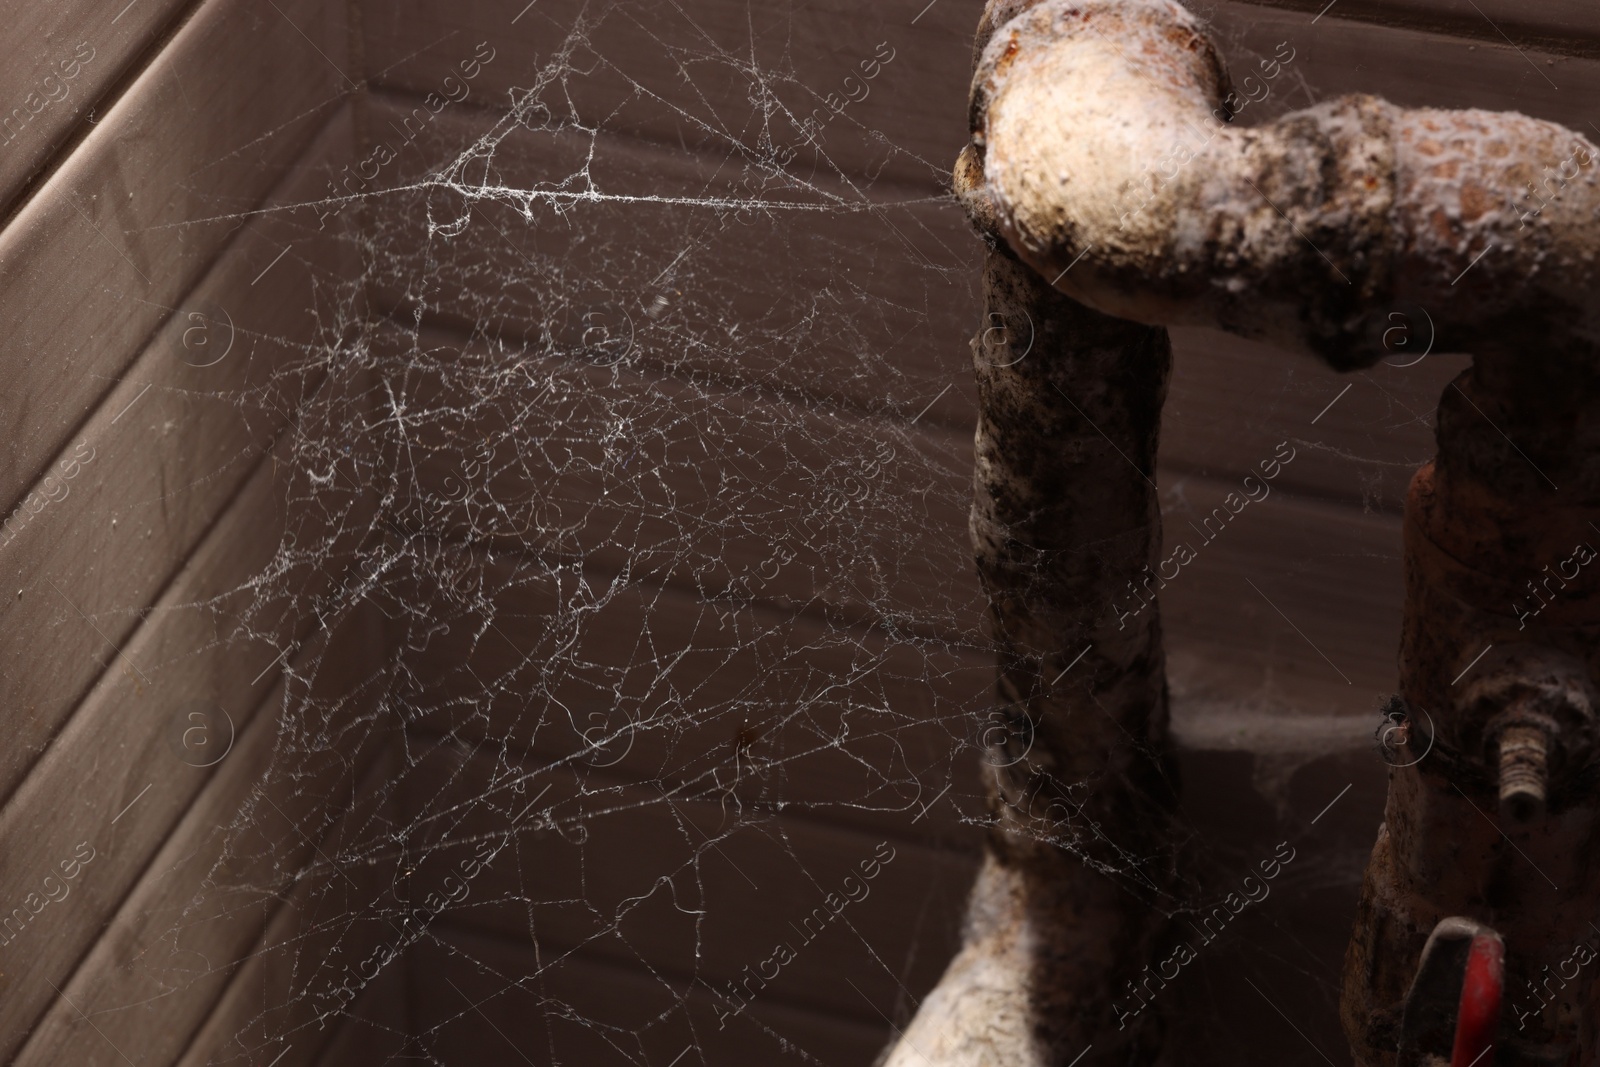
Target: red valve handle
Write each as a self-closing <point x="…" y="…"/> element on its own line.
<point x="1478" y="1017"/>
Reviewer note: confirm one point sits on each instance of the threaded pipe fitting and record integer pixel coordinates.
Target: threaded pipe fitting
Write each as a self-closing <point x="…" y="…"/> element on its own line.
<point x="1524" y="757"/>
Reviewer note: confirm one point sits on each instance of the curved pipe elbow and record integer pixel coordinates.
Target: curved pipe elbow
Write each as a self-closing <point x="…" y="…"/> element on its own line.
<point x="1111" y="165"/>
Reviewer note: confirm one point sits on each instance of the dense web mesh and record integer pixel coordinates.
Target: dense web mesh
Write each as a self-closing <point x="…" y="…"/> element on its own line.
<point x="665" y="538"/>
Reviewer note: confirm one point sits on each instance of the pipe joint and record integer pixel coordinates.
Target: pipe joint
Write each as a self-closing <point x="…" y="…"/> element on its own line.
<point x="1536" y="710"/>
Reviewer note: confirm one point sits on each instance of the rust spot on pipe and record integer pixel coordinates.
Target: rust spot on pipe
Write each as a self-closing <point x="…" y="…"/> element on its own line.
<point x="1475" y="200"/>
<point x="1007" y="57"/>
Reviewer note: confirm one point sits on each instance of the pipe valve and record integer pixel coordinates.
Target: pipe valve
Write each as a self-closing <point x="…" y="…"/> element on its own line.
<point x="1538" y="721"/>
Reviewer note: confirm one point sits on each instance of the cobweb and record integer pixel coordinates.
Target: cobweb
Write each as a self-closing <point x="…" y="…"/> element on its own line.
<point x="624" y="607"/>
<point x="664" y="541"/>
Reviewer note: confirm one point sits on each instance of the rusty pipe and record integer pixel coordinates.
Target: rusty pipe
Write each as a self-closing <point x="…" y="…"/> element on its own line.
<point x="1112" y="169"/>
<point x="1078" y="874"/>
<point x="1499" y="822"/>
<point x="1115" y="171"/>
<point x="1104" y="164"/>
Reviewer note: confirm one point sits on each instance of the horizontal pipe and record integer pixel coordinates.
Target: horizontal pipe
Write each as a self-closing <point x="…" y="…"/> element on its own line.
<point x="1115" y="170"/>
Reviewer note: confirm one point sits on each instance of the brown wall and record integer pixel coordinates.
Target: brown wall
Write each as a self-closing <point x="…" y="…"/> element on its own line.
<point x="158" y="295"/>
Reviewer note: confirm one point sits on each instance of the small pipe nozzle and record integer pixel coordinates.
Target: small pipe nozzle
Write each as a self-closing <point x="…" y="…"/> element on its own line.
<point x="1524" y="755"/>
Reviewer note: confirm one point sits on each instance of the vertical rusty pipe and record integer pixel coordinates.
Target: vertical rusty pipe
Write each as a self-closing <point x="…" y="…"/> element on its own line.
<point x="1498" y="821"/>
<point x="1065" y="523"/>
<point x="1066" y="532"/>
